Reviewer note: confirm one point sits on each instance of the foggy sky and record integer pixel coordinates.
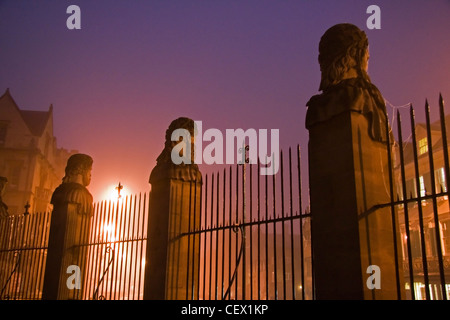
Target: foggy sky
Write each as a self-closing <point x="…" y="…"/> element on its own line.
<point x="135" y="66"/>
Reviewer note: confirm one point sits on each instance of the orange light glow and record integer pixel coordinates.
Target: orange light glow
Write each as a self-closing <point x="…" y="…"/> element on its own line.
<point x="111" y="193"/>
<point x="109" y="232"/>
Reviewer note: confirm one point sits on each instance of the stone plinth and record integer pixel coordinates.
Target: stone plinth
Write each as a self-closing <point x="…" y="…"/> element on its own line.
<point x="69" y="233"/>
<point x="348" y="172"/>
<point x="174" y="206"/>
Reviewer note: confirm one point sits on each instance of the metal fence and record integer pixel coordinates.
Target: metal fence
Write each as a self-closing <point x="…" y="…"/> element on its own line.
<point x="116" y="250"/>
<point x="421" y="178"/>
<point x="254" y="236"/>
<point x="114" y="254"/>
<point x="23" y="252"/>
<point x="253" y="241"/>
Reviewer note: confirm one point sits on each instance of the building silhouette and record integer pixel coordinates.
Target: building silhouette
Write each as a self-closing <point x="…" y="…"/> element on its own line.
<point x="29" y="157"/>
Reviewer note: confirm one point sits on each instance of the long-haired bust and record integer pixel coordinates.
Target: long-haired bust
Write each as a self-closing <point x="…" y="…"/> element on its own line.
<point x="345" y="83"/>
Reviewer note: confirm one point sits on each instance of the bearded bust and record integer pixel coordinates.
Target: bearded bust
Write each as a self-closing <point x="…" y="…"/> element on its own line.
<point x="345" y="83"/>
<point x="73" y="187"/>
<point x="165" y="168"/>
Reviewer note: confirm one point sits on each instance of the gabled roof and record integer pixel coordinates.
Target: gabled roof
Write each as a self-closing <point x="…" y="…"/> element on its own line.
<point x="36" y="121"/>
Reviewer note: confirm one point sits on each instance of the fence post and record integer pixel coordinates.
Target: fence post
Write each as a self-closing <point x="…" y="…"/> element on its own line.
<point x="171" y="270"/>
<point x="69" y="229"/>
<point x="349" y="168"/>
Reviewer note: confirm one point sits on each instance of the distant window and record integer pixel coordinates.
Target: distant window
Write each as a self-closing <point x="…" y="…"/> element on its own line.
<point x="14" y="175"/>
<point x="423" y="146"/>
<point x="446" y="236"/>
<point x="440" y="180"/>
<point x="423" y="192"/>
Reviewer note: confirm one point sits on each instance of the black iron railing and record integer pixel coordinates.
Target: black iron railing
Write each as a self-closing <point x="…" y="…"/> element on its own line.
<point x="251" y="237"/>
<point x="252" y="243"/>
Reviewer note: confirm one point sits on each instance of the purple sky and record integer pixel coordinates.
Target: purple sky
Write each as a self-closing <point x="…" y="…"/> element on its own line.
<point x="135" y="66"/>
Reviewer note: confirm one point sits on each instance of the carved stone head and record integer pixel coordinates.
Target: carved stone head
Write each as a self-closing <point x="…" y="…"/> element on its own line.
<point x="78" y="169"/>
<point x="343" y="54"/>
<point x="179" y="123"/>
<point x="165" y="168"/>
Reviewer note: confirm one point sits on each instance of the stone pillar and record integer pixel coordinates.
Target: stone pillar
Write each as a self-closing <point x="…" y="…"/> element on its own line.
<point x="349" y="175"/>
<point x="172" y="257"/>
<point x="69" y="232"/>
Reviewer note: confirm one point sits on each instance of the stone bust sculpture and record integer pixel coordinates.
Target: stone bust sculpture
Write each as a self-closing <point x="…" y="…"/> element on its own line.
<point x="73" y="187"/>
<point x="3" y="206"/>
<point x="165" y="168"/>
<point x="345" y="84"/>
<point x="180" y="123"/>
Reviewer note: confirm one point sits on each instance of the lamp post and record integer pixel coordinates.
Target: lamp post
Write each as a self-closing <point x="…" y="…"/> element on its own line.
<point x="119" y="188"/>
<point x="27" y="207"/>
